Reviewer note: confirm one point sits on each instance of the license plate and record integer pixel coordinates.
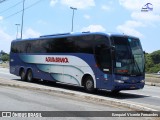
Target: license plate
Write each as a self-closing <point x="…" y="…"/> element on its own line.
<point x="132" y="87"/>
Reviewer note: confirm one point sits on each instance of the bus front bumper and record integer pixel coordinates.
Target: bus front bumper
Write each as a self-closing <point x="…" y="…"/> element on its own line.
<point x="125" y="86"/>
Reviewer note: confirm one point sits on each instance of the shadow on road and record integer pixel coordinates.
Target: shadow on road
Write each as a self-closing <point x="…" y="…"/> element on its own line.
<point x="104" y="93"/>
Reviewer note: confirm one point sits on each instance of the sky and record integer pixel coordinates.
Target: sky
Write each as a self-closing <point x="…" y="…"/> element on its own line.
<point x="44" y="17"/>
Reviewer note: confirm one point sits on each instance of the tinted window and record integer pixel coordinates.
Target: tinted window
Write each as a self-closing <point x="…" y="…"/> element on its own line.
<point x="18" y="47"/>
<point x="129" y="58"/>
<point x="70" y="45"/>
<point x="32" y="47"/>
<point x="103" y="53"/>
<point x="13" y="48"/>
<point x="47" y="45"/>
<point x="84" y="44"/>
<point x="59" y="45"/>
<point x="101" y="39"/>
<point x="73" y="44"/>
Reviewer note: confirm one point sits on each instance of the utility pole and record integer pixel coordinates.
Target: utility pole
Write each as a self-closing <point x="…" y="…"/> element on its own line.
<point x="17" y="30"/>
<point x="72" y="17"/>
<point x="22" y="19"/>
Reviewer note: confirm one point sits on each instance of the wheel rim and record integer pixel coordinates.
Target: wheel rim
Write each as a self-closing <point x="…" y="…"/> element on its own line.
<point x="22" y="75"/>
<point x="29" y="76"/>
<point x="89" y="84"/>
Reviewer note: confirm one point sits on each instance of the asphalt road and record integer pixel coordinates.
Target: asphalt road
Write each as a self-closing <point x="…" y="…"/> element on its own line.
<point x="30" y="100"/>
<point x="149" y="96"/>
<point x="16" y="99"/>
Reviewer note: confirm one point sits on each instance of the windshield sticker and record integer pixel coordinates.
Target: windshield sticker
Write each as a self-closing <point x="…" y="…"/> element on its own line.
<point x="105" y="76"/>
<point x="118" y="64"/>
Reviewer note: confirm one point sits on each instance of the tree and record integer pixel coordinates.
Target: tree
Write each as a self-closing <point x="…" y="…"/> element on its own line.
<point x="5" y="57"/>
<point x="149" y="62"/>
<point x="156" y="57"/>
<point x="153" y="62"/>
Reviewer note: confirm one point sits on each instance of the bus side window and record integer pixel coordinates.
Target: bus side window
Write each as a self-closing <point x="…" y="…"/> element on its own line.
<point x="103" y="54"/>
<point x="13" y="48"/>
<point x="69" y="45"/>
<point x="27" y="48"/>
<point x="84" y="44"/>
<point x="103" y="57"/>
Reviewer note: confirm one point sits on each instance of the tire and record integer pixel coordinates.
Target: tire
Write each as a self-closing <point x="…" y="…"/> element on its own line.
<point x="29" y="76"/>
<point x="23" y="75"/>
<point x="89" y="84"/>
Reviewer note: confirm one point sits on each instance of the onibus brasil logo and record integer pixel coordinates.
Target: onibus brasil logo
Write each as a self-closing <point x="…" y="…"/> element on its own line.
<point x="147" y="7"/>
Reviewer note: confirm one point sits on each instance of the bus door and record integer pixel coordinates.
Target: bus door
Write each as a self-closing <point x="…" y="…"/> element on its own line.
<point x="104" y="63"/>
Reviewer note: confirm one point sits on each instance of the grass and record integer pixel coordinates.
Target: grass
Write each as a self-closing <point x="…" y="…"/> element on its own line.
<point x="152" y="75"/>
<point x="152" y="78"/>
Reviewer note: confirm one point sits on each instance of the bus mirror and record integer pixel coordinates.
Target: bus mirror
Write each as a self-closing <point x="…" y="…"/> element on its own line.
<point x="144" y="52"/>
<point x="113" y="52"/>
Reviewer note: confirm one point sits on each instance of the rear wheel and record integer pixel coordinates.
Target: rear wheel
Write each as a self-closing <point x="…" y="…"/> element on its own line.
<point x="89" y="84"/>
<point x="23" y="75"/>
<point x="29" y="76"/>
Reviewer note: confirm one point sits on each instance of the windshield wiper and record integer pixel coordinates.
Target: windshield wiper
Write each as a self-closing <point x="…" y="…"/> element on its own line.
<point x="136" y="64"/>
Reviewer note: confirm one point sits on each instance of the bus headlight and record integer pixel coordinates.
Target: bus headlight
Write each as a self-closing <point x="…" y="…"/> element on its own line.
<point x="142" y="81"/>
<point x="118" y="81"/>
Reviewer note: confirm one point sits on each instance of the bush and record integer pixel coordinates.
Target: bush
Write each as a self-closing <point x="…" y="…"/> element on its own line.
<point x="5" y="57"/>
<point x="153" y="62"/>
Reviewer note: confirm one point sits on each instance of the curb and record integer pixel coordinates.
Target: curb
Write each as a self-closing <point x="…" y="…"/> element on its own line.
<point x="76" y="95"/>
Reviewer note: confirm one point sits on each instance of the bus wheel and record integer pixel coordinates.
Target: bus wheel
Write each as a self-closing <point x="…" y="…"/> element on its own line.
<point x="29" y="76"/>
<point x="89" y="84"/>
<point x="23" y="75"/>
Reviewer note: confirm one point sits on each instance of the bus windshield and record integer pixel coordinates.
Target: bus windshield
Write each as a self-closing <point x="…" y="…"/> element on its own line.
<point x="129" y="56"/>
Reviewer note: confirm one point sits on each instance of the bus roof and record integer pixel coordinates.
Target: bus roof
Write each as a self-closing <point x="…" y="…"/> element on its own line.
<point x="76" y="34"/>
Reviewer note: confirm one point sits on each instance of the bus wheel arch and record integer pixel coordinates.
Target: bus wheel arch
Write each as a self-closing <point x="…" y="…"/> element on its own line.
<point x="22" y="74"/>
<point x="88" y="83"/>
<point x="29" y="75"/>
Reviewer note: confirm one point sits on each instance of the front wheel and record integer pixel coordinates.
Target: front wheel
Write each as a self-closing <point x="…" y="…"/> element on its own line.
<point x="29" y="76"/>
<point x="89" y="84"/>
